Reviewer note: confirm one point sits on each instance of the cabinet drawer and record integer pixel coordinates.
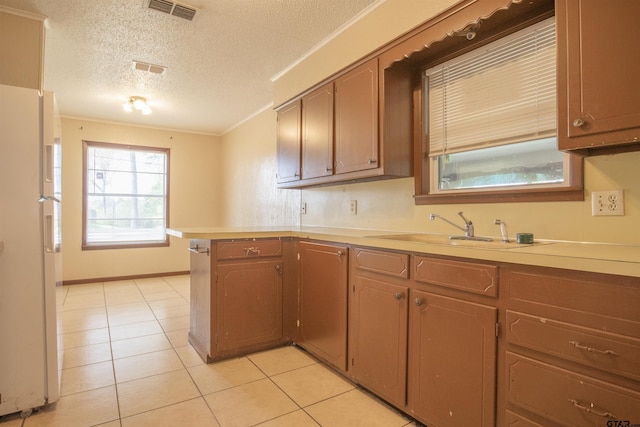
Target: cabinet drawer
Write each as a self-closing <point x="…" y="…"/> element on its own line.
<point x="602" y="350"/>
<point x="515" y="420"/>
<point x="467" y="276"/>
<point x="388" y="263"/>
<point x="604" y="302"/>
<point x="567" y="397"/>
<point x="249" y="249"/>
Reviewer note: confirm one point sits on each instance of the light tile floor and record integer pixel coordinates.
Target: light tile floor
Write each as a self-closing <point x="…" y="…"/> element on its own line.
<point x="127" y="363"/>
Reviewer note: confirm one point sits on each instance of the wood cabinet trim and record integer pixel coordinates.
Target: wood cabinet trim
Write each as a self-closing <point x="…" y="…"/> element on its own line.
<point x="382" y="262"/>
<point x="248" y="249"/>
<point x="564" y="396"/>
<point x="465" y="276"/>
<point x="605" y="351"/>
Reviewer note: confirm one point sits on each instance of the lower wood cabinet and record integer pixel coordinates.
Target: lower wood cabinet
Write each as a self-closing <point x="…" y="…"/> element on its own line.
<point x="379" y="292"/>
<point x="249" y="306"/>
<point x="236" y="297"/>
<point x="572" y="347"/>
<point x="323" y="302"/>
<point x="452" y="361"/>
<point x="432" y="355"/>
<point x="449" y="341"/>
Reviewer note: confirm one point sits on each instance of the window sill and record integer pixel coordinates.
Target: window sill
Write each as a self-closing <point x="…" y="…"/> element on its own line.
<point x="503" y="196"/>
<point x="134" y="245"/>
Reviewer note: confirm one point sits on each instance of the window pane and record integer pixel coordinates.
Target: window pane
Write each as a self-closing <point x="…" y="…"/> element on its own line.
<point x="527" y="163"/>
<point x="126" y="199"/>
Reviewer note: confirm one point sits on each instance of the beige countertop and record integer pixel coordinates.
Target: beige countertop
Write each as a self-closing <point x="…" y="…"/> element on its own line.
<point x="609" y="258"/>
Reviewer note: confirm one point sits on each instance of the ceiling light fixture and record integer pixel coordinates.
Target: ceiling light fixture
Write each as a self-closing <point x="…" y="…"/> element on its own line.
<point x="138" y="103"/>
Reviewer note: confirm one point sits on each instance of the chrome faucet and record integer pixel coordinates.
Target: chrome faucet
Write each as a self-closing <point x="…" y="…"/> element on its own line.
<point x="503" y="230"/>
<point x="468" y="225"/>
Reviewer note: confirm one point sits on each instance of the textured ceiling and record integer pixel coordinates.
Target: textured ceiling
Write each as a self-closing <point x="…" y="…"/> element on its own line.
<point x="219" y="65"/>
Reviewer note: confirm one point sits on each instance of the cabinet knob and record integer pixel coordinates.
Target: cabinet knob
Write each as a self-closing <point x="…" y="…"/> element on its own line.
<point x="328" y="169"/>
<point x="578" y="123"/>
<point x="398" y="295"/>
<point x="279" y="269"/>
<point x="340" y="253"/>
<point x="418" y="302"/>
<point x="372" y="161"/>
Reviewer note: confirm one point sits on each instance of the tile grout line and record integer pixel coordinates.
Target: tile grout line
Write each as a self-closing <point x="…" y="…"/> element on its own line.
<point x="113" y="361"/>
<point x="270" y="377"/>
<point x="186" y="368"/>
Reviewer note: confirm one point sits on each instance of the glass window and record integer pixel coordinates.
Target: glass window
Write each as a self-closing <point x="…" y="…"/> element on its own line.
<point x="126" y="189"/>
<point x="490" y="117"/>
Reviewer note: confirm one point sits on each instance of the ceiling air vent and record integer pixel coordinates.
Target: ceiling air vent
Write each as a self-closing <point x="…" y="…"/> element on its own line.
<point x="176" y="9"/>
<point x="150" y="68"/>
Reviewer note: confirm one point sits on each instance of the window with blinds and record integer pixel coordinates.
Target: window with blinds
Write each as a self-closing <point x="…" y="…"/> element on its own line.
<point x="491" y="115"/>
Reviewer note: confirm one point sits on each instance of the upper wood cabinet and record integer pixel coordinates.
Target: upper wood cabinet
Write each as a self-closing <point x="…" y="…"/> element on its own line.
<point x="317" y="133"/>
<point x="356" y="108"/>
<point x="598" y="83"/>
<point x="288" y="143"/>
<point x="355" y="127"/>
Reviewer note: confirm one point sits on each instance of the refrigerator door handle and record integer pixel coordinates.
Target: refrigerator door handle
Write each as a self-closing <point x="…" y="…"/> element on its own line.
<point x="49" y="244"/>
<point x="44" y="198"/>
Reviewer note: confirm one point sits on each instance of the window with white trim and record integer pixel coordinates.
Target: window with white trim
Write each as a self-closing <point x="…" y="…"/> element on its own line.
<point x="490" y="117"/>
<point x="126" y="193"/>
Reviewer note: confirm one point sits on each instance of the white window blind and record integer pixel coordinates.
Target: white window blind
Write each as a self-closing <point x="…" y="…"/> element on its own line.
<point x="499" y="94"/>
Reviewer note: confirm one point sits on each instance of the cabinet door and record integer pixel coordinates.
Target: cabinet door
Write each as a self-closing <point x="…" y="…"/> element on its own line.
<point x="249" y="306"/>
<point x="317" y="133"/>
<point x="323" y="302"/>
<point x="378" y="337"/>
<point x="598" y="82"/>
<point x="452" y="361"/>
<point x="288" y="143"/>
<point x="356" y="109"/>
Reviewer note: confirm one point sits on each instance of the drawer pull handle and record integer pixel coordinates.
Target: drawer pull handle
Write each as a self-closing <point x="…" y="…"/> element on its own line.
<point x="251" y="251"/>
<point x="576" y="344"/>
<point x="591" y="409"/>
<point x="199" y="250"/>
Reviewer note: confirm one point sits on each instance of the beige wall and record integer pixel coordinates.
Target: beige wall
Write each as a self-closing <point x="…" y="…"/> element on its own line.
<point x="195" y="184"/>
<point x="21" y="48"/>
<point x="389" y="205"/>
<point x="231" y="180"/>
<point x="389" y="20"/>
<point x="250" y="196"/>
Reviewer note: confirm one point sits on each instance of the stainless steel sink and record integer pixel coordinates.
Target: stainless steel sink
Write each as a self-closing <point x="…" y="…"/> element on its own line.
<point x="438" y="239"/>
<point x="433" y="239"/>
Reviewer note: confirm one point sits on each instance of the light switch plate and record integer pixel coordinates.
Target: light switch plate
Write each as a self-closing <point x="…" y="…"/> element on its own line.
<point x="353" y="207"/>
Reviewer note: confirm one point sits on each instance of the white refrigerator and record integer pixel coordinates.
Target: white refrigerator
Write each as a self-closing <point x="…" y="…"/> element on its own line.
<point x="30" y="256"/>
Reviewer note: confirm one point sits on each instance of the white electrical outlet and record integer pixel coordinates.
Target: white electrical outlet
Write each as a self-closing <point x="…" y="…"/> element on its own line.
<point x="353" y="207"/>
<point x="607" y="203"/>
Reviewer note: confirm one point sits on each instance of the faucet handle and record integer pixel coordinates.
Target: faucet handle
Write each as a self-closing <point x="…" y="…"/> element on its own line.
<point x="466" y="221"/>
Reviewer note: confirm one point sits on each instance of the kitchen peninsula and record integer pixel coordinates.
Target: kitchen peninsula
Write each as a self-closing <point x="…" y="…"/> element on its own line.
<point x="451" y="334"/>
